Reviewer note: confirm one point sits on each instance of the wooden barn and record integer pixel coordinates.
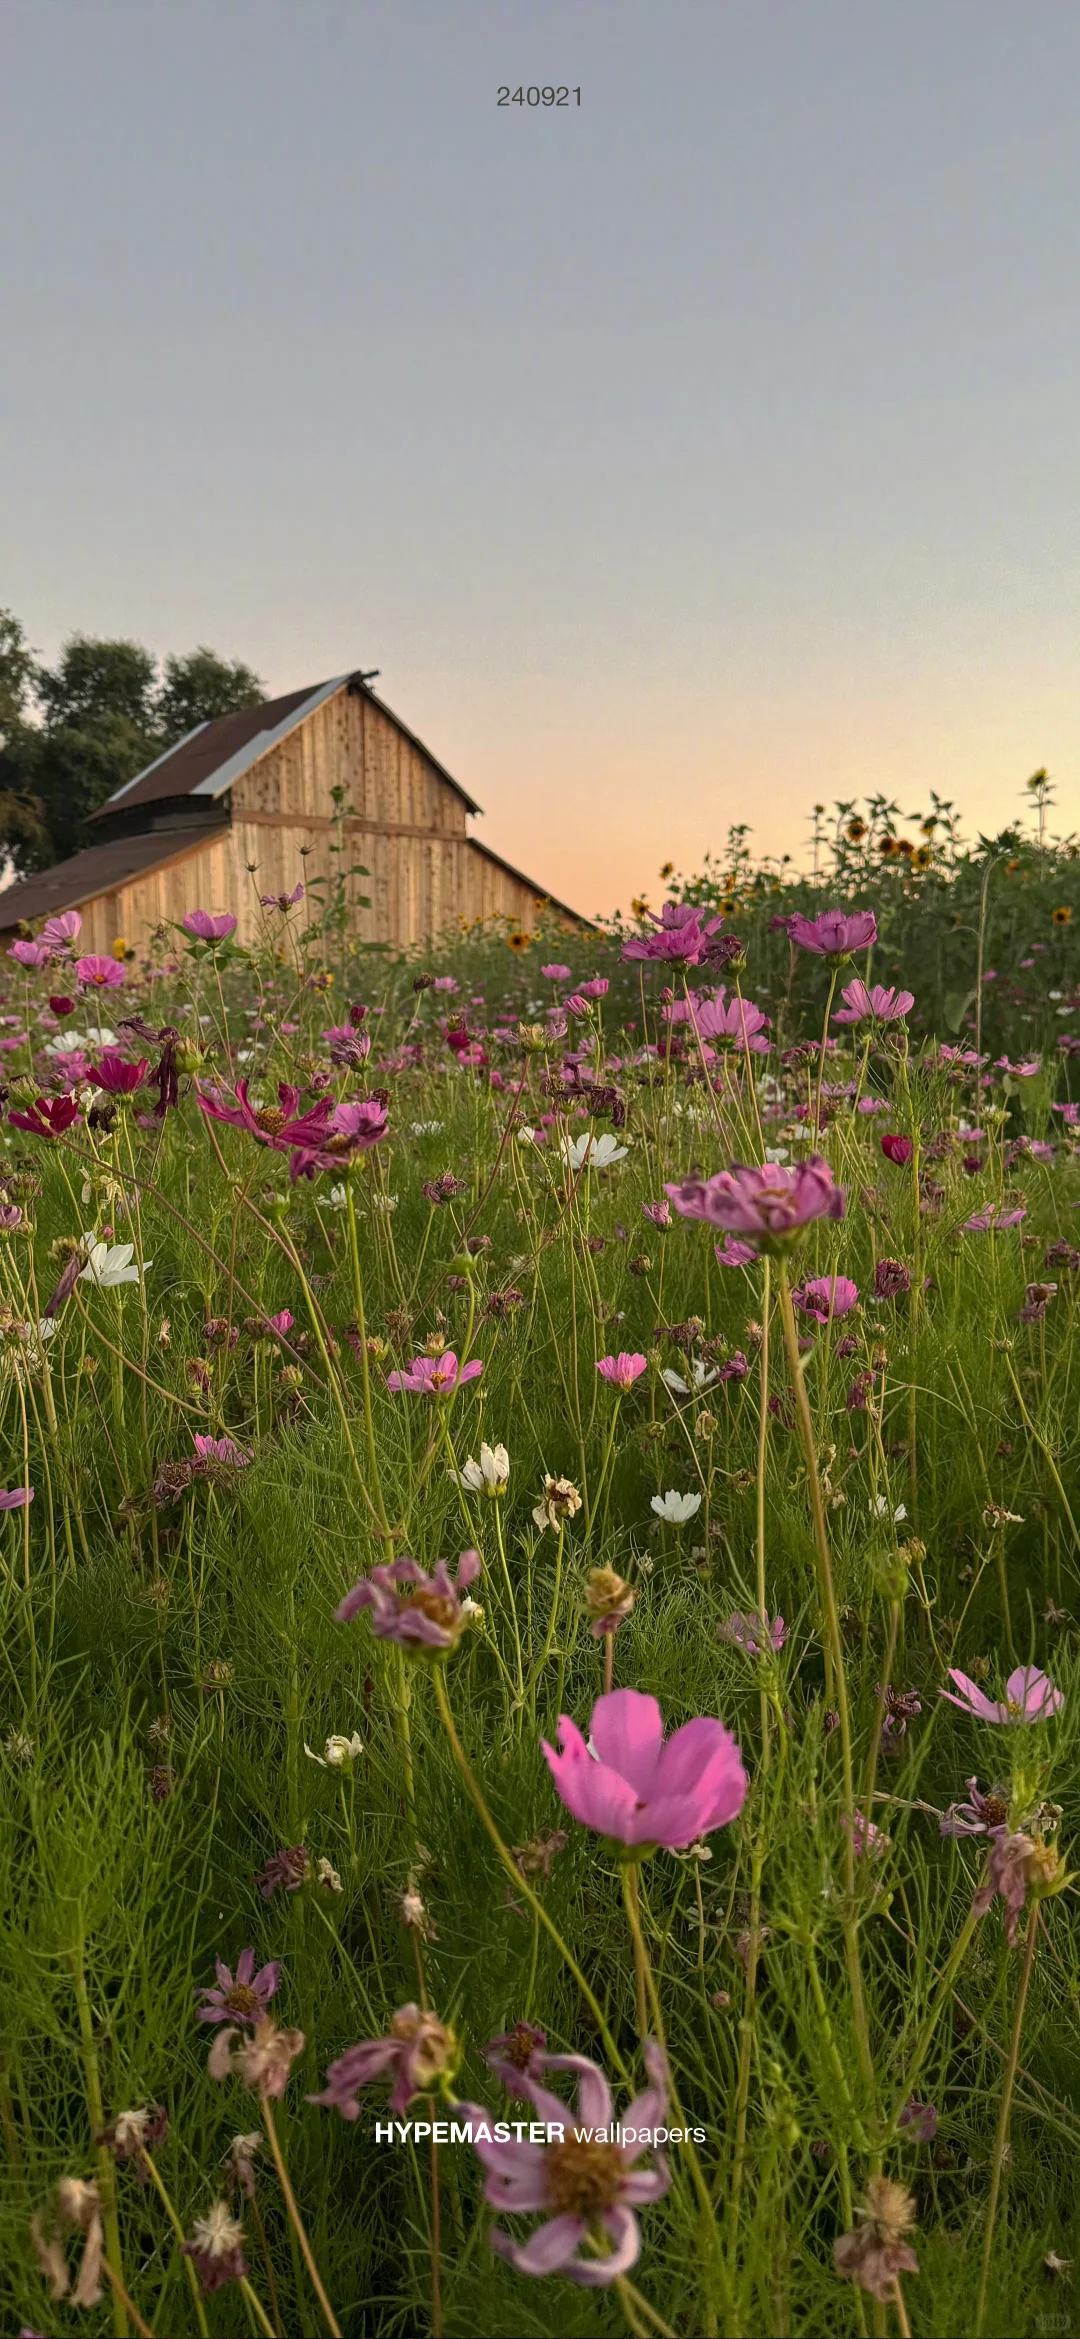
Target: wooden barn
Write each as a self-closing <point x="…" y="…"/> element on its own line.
<point x="243" y="806"/>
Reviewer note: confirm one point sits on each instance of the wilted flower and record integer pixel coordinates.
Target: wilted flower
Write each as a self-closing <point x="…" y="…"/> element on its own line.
<point x="538" y="1856"/>
<point x="891" y="1279"/>
<point x="339" y="1753"/>
<point x="134" y="2132"/>
<point x="517" y="2054"/>
<point x="637" y="1787"/>
<point x="980" y="1815"/>
<point x="243" y="1999"/>
<point x="608" y="1601"/>
<point x="263" y="2061"/>
<point x="675" y="1508"/>
<point x="240" y="2161"/>
<point x="559" y="1502"/>
<point x="919" y="2120"/>
<point x="751" y="1634"/>
<point x="490" y="1475"/>
<point x="216" y="2248"/>
<point x="78" y="2209"/>
<point x="877" y="2252"/>
<point x="288" y="1869"/>
<point x="582" y="2182"/>
<point x="423" y="1613"/>
<point x="419" y="2052"/>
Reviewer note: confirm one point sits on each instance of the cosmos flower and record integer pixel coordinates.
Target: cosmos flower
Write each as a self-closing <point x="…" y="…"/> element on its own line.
<point x="559" y="1502"/>
<point x="702" y="1377"/>
<point x="992" y="1221"/>
<point x="824" y="1296"/>
<point x="980" y="1815"/>
<point x="100" y="974"/>
<point x="896" y="1148"/>
<point x="490" y="1475"/>
<point x="434" y="1376"/>
<point x="216" y="2248"/>
<point x="424" y="1614"/>
<point x="835" y="934"/>
<point x="768" y="1207"/>
<point x="582" y="2182"/>
<point x="418" y="2051"/>
<point x="591" y="1152"/>
<point x="49" y="1117"/>
<point x="675" y="1508"/>
<point x="622" y="1370"/>
<point x="629" y="1783"/>
<point x="1029" y="1697"/>
<point x="242" y="1998"/>
<point x="109" y="1265"/>
<point x="877" y="1005"/>
<point x="515" y="2054"/>
<point x="751" y="1636"/>
<point x="339" y="1752"/>
<point x="208" y="926"/>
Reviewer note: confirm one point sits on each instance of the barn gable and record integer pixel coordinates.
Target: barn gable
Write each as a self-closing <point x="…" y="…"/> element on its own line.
<point x="254" y="803"/>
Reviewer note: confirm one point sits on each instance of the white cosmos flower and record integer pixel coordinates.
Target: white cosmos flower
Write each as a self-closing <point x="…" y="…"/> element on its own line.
<point x="490" y="1474"/>
<point x="338" y="1753"/>
<point x="66" y="1043"/>
<point x="702" y="1376"/>
<point x="675" y="1508"/>
<point x="334" y="1200"/>
<point x="880" y="1509"/>
<point x="591" y="1152"/>
<point x="777" y="1152"/>
<point x="426" y="1128"/>
<point x="110" y="1264"/>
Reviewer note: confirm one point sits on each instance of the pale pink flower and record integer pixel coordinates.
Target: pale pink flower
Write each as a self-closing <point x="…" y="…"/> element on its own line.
<point x="419" y="2051"/>
<point x="750" y="1635"/>
<point x="242" y="1998"/>
<point x="434" y="1376"/>
<point x="629" y="1783"/>
<point x="877" y="1005"/>
<point x="30" y="954"/>
<point x="210" y="926"/>
<point x="835" y="934"/>
<point x="1029" y="1697"/>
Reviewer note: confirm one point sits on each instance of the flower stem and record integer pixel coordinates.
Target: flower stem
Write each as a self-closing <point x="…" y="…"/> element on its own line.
<point x="332" y="2324"/>
<point x="257" y="2308"/>
<point x="163" y="2194"/>
<point x="1004" y="2109"/>
<point x="106" y="2173"/>
<point x="521" y="1883"/>
<point x="125" y="2300"/>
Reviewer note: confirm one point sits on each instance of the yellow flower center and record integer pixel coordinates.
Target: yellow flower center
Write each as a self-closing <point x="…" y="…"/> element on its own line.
<point x="582" y="2178"/>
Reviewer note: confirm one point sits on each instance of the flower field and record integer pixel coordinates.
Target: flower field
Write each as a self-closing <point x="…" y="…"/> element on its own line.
<point x="540" y="1534"/>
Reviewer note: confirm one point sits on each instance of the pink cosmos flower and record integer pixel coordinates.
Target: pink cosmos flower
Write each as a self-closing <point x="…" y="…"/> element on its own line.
<point x="210" y="926"/>
<point x="226" y="1450"/>
<point x="657" y="1213"/>
<point x="282" y="901"/>
<point x="769" y="1206"/>
<point x="243" y="1999"/>
<point x="980" y="1815"/>
<point x="17" y="1499"/>
<point x="579" y="2180"/>
<point x="100" y="974"/>
<point x="731" y="1253"/>
<point x="516" y="2053"/>
<point x="680" y="934"/>
<point x="1029" y="1697"/>
<point x="556" y="973"/>
<point x="419" y="1611"/>
<point x="877" y="1005"/>
<point x="733" y="1023"/>
<point x="419" y="2050"/>
<point x="116" y="1075"/>
<point x="622" y="1370"/>
<point x="640" y="1789"/>
<point x="30" y="954"/>
<point x="896" y="1149"/>
<point x="347" y="1045"/>
<point x="992" y="1221"/>
<point x="919" y="2121"/>
<point x="868" y="1840"/>
<point x="354" y="1127"/>
<point x="49" y="1117"/>
<point x="281" y="1126"/>
<point x="597" y="988"/>
<point x="446" y="983"/>
<point x="435" y="1376"/>
<point x="751" y="1636"/>
<point x="1013" y="1859"/>
<point x="835" y="934"/>
<point x="1024" y="1071"/>
<point x="61" y="931"/>
<point x="823" y="1296"/>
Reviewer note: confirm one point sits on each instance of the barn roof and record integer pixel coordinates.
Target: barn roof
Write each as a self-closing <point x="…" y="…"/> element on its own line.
<point x="213" y="755"/>
<point x="98" y="869"/>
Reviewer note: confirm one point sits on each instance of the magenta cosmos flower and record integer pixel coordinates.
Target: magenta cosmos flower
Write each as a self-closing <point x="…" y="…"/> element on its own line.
<point x="679" y="934"/>
<point x="420" y="1612"/>
<point x="822" y="1296"/>
<point x="730" y="1023"/>
<point x="352" y="1128"/>
<point x="992" y="1221"/>
<point x="630" y="1783"/>
<point x="282" y="1125"/>
<point x="896" y="1148"/>
<point x="583" y="2180"/>
<point x="980" y="1815"/>
<point x="208" y="926"/>
<point x="435" y="1376"/>
<point x="100" y="974"/>
<point x="243" y="1997"/>
<point x="768" y="1207"/>
<point x="835" y="934"/>
<point x="875" y="1006"/>
<point x="1029" y="1697"/>
<point x="419" y="2051"/>
<point x="30" y="954"/>
<point x="116" y="1075"/>
<point x="556" y="973"/>
<point x="49" y="1117"/>
<point x="622" y="1370"/>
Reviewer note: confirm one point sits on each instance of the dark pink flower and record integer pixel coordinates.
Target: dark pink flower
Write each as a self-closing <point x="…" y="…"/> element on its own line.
<point x="282" y="901"/>
<point x="622" y="1370"/>
<point x="282" y="1126"/>
<point x="578" y="2181"/>
<point x="419" y="2051"/>
<point x="221" y="1450"/>
<point x="421" y="1612"/>
<point x="100" y="974"/>
<point x="835" y="934"/>
<point x="1029" y="1697"/>
<point x="242" y="1998"/>
<point x="825" y="1296"/>
<point x="657" y="1213"/>
<point x="639" y="1788"/>
<point x="287" y="1871"/>
<point x="877" y="1005"/>
<point x="896" y="1149"/>
<point x="980" y="1815"/>
<point x="680" y="934"/>
<point x="919" y="2120"/>
<point x="346" y="1044"/>
<point x="116" y="1075"/>
<point x="434" y="1376"/>
<point x="208" y="926"/>
<point x="49" y="1117"/>
<point x="731" y="1253"/>
<point x="769" y="1207"/>
<point x="891" y="1279"/>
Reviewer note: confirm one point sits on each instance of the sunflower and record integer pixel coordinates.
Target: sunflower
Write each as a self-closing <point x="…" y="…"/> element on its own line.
<point x="1011" y="868"/>
<point x="905" y="848"/>
<point x="640" y="906"/>
<point x="122" y="948"/>
<point x="929" y="825"/>
<point x="855" y="831"/>
<point x="922" y="857"/>
<point x="667" y="871"/>
<point x="888" y="848"/>
<point x="728" y="906"/>
<point x="518" y="941"/>
<point x="1063" y="916"/>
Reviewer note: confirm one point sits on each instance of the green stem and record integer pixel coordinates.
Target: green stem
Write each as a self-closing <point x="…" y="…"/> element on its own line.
<point x="106" y="2172"/>
<point x="1004" y="2109"/>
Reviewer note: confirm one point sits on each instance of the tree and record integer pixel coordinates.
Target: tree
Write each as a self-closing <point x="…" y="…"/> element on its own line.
<point x="73" y="733"/>
<point x="198" y="688"/>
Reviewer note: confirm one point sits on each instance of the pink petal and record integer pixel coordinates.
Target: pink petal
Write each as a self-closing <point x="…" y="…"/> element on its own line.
<point x="549" y="2248"/>
<point x="622" y="2227"/>
<point x="595" y="2108"/>
<point x="597" y="1796"/>
<point x="645" y="2184"/>
<point x="628" y="1733"/>
<point x="972" y="1697"/>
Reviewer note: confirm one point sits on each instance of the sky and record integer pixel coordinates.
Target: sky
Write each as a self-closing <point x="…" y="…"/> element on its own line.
<point x="684" y="457"/>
